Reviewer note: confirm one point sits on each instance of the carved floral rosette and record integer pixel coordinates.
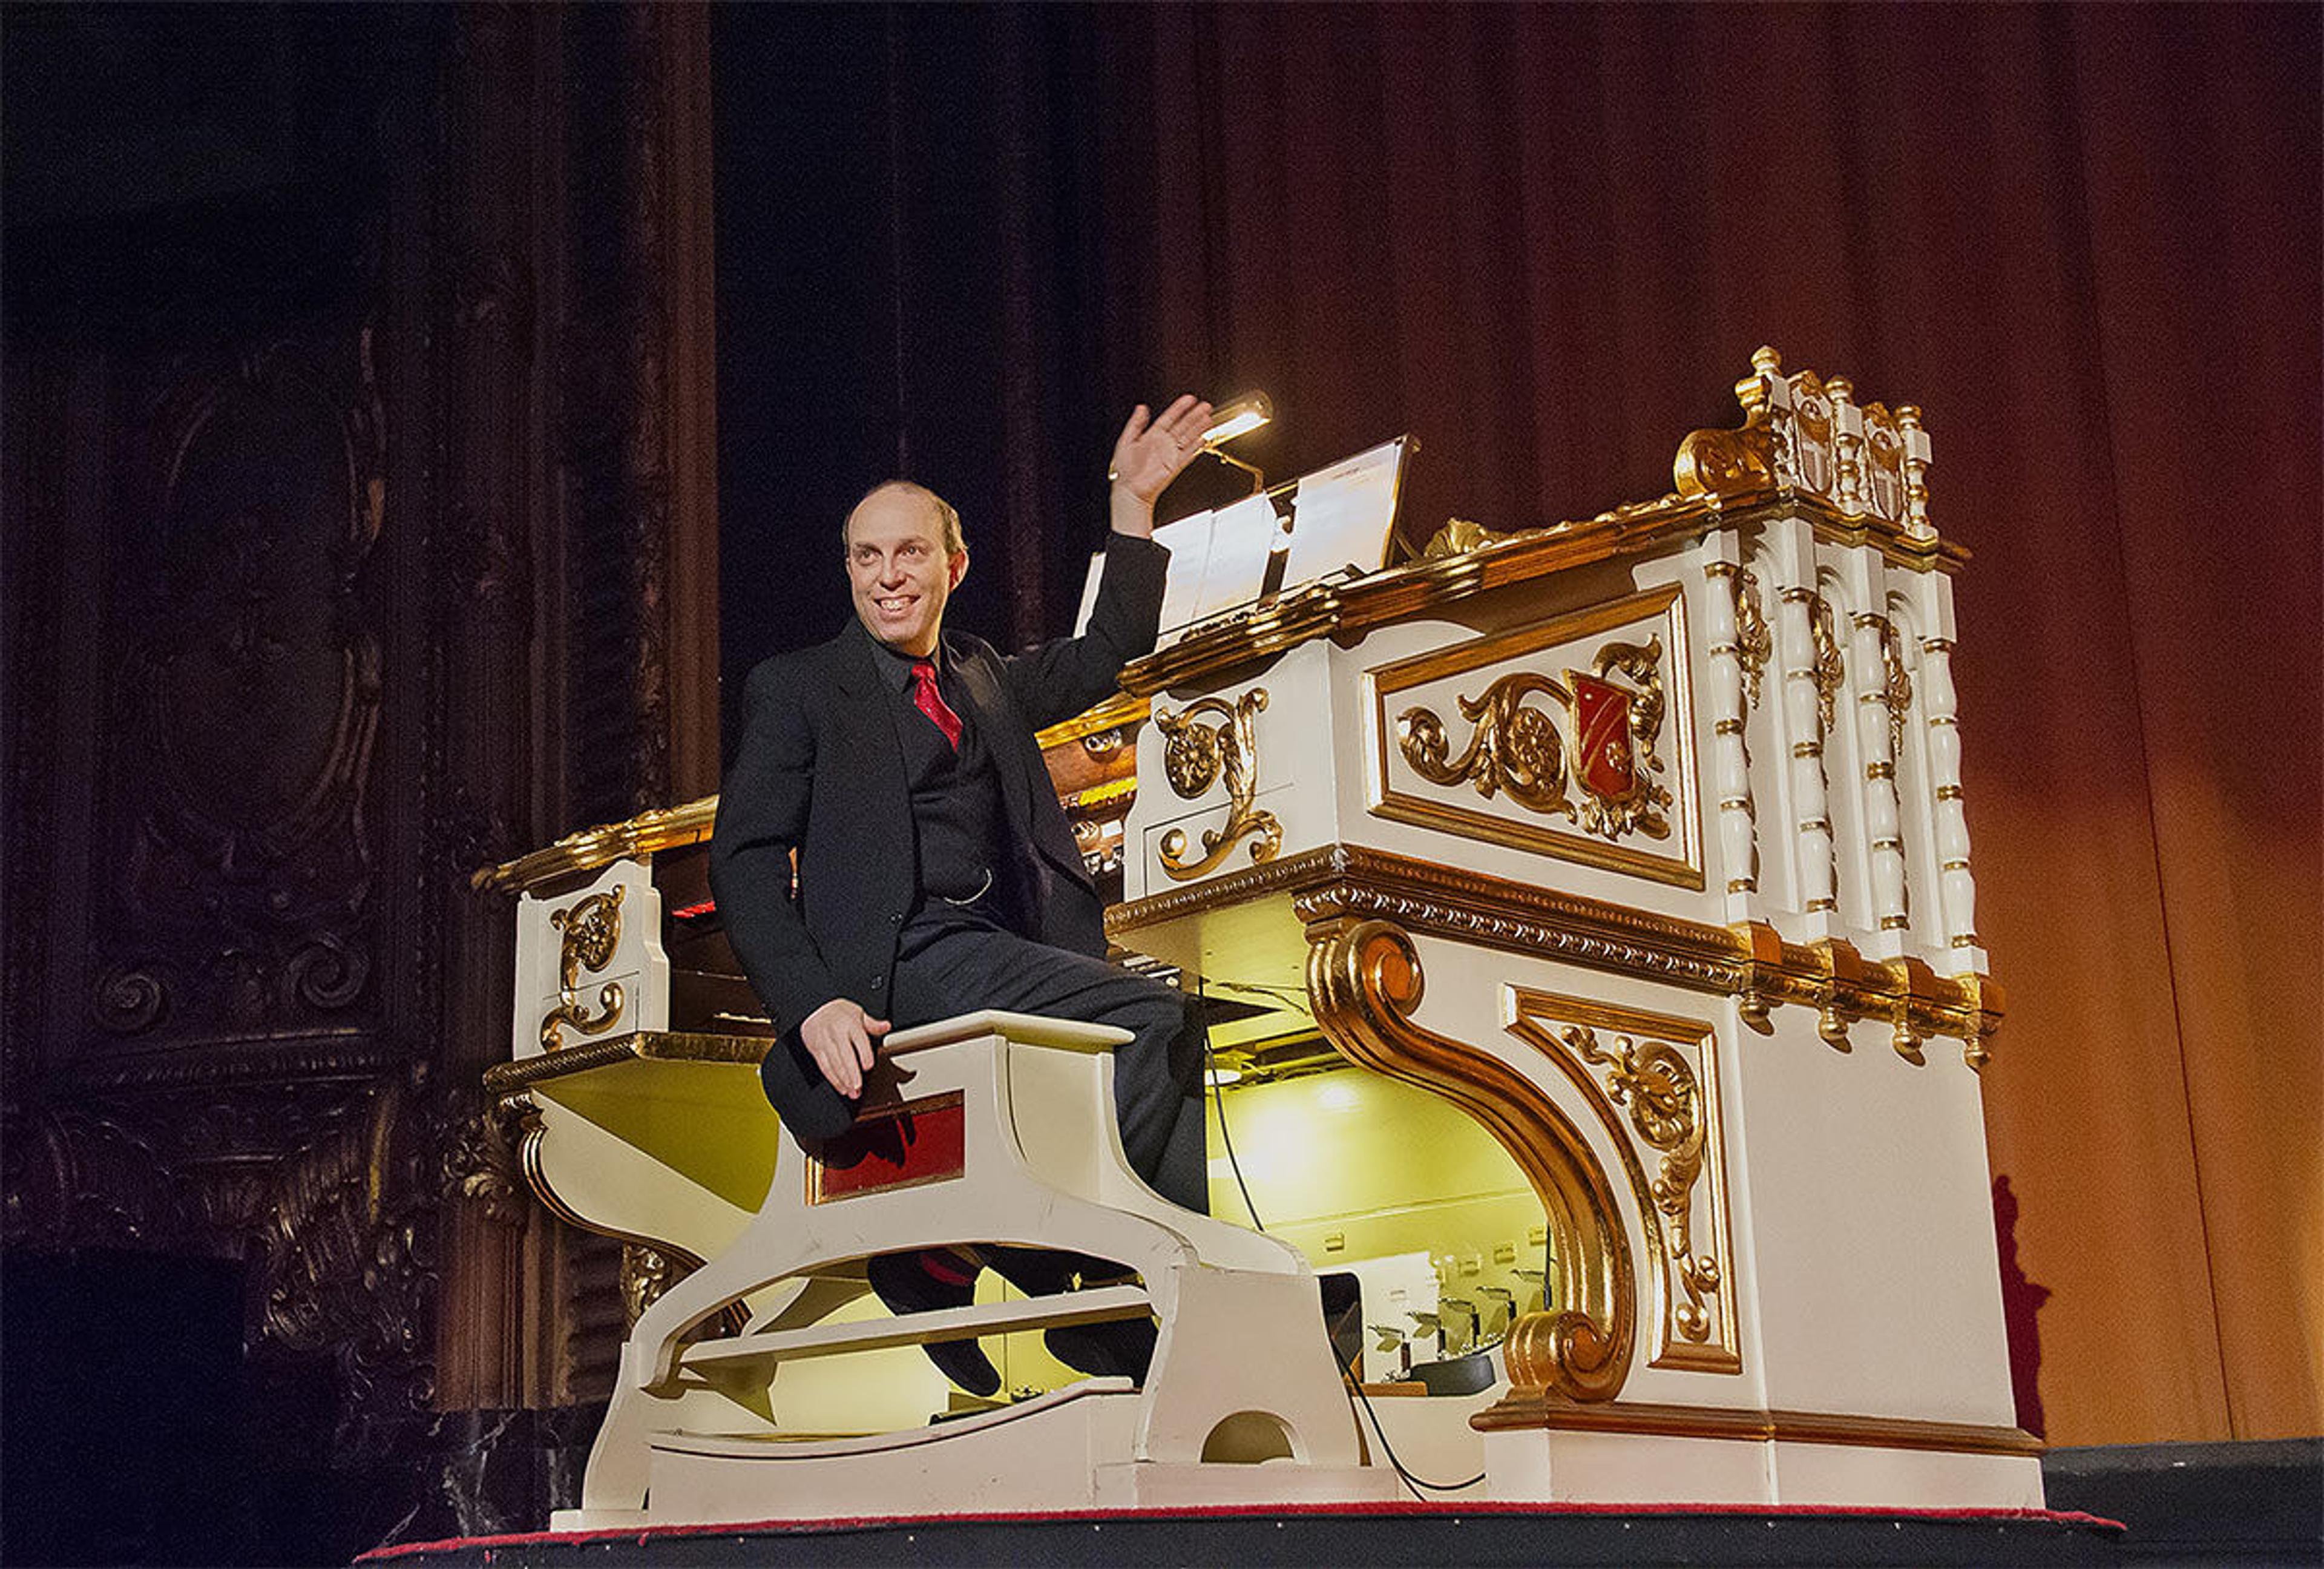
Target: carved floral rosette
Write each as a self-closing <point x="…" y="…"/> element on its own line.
<point x="1570" y="739"/>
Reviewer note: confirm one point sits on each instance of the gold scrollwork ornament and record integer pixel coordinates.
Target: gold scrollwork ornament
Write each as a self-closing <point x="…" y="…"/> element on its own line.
<point x="1610" y="752"/>
<point x="1615" y="728"/>
<point x="592" y="929"/>
<point x="1829" y="669"/>
<point x="1754" y="644"/>
<point x="1657" y="1083"/>
<point x="1896" y="685"/>
<point x="1514" y="748"/>
<point x="1193" y="757"/>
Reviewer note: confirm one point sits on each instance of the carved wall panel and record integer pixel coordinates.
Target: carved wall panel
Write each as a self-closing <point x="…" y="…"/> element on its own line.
<point x="1572" y="740"/>
<point x="239" y="752"/>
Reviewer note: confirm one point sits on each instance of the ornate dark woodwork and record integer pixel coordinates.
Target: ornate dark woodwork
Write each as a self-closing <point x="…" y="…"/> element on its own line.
<point x="314" y="594"/>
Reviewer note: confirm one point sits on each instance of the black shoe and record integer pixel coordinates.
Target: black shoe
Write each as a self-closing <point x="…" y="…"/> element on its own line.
<point x="904" y="1284"/>
<point x="1045" y="1272"/>
<point x="1121" y="1349"/>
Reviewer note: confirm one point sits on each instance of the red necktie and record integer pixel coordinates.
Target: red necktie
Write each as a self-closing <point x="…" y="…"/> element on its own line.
<point x="930" y="702"/>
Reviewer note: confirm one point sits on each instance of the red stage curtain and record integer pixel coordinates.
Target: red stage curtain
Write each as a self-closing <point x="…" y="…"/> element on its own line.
<point x="2086" y="241"/>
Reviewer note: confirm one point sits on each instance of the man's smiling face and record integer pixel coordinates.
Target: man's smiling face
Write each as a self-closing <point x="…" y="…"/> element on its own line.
<point x="899" y="568"/>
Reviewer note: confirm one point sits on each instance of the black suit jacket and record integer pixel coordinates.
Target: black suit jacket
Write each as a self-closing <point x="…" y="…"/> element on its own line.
<point x="820" y="772"/>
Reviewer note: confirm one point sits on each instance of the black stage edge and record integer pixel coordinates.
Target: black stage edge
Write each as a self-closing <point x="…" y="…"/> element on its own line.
<point x="1383" y="1534"/>
<point x="2258" y="1501"/>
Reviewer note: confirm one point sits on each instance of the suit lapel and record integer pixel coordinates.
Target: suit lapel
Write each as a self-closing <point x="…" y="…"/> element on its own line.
<point x="857" y="669"/>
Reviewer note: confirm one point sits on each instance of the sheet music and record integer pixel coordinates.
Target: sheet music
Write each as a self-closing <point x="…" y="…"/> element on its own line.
<point x="1341" y="517"/>
<point x="1190" y="541"/>
<point x="1241" y="537"/>
<point x="1089" y="592"/>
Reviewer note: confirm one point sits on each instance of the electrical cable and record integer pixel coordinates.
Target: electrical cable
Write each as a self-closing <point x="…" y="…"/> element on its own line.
<point x="1351" y="1380"/>
<point x="1219" y="1103"/>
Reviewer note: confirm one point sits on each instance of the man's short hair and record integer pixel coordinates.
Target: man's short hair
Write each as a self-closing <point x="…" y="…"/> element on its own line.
<point x="949" y="519"/>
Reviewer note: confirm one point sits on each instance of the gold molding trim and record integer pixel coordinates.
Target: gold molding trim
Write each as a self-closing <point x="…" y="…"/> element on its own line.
<point x="1532" y="762"/>
<point x="1762" y="1426"/>
<point x="667" y="829"/>
<point x="1673" y="1110"/>
<point x="1365" y="978"/>
<point x="1193" y="755"/>
<point x="512" y="1078"/>
<point x="1119" y="712"/>
<point x="1750" y="962"/>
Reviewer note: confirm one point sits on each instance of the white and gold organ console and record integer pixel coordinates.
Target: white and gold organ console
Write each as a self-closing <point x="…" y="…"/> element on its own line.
<point x="1638" y="843"/>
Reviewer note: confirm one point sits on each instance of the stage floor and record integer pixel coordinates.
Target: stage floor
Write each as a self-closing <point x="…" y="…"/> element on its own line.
<point x="1383" y="1534"/>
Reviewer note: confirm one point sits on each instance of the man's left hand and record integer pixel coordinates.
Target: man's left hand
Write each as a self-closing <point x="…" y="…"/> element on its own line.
<point x="1148" y="455"/>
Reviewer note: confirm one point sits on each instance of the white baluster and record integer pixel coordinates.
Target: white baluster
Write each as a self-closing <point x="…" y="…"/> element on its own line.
<point x="1846" y="446"/>
<point x="1915" y="442"/>
<point x="1731" y="765"/>
<point x="1883" y="815"/>
<point x="1811" y="813"/>
<point x="1939" y="708"/>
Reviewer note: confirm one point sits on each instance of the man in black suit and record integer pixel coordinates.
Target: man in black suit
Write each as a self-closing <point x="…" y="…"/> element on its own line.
<point x="936" y="872"/>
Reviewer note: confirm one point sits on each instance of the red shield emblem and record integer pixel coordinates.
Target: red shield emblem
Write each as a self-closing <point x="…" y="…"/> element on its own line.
<point x="1602" y="759"/>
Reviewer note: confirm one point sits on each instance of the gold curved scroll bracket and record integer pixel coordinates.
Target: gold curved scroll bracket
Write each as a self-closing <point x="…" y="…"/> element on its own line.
<point x="1730" y="463"/>
<point x="1193" y="755"/>
<point x="1364" y="979"/>
<point x="593" y="930"/>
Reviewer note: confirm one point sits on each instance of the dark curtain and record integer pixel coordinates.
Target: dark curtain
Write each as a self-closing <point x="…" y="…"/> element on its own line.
<point x="1545" y="240"/>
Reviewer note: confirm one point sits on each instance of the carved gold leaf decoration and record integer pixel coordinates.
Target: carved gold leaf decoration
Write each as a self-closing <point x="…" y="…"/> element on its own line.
<point x="592" y="929"/>
<point x="1620" y="799"/>
<point x="1830" y="667"/>
<point x="1193" y="756"/>
<point x="1607" y="745"/>
<point x="1754" y="644"/>
<point x="1514" y="748"/>
<point x="1657" y="1084"/>
<point x="1896" y="685"/>
<point x="1458" y="537"/>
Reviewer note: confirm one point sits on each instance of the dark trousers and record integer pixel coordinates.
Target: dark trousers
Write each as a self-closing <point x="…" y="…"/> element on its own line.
<point x="957" y="960"/>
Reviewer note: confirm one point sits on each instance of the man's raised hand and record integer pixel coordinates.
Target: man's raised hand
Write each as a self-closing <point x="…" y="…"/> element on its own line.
<point x="1149" y="453"/>
<point x="839" y="1036"/>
